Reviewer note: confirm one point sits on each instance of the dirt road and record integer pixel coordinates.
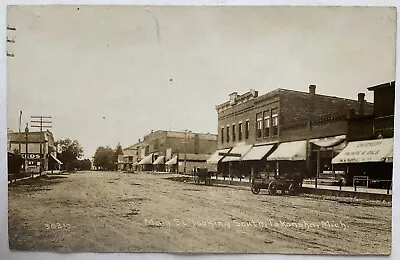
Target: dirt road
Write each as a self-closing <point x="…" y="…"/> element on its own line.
<point x="119" y="212"/>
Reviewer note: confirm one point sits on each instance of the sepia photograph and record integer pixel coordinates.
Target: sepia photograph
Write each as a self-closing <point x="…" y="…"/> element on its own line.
<point x="200" y="129"/>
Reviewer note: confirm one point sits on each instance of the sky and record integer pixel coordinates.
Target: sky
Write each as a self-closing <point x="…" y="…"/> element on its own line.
<point x="111" y="74"/>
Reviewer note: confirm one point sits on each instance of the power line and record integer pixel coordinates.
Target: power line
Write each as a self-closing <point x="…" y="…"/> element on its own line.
<point x="38" y="122"/>
<point x="10" y="28"/>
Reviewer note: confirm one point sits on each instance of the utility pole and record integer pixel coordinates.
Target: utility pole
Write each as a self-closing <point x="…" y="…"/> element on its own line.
<point x="10" y="28"/>
<point x="19" y="133"/>
<point x="41" y="122"/>
<point x="185" y="142"/>
<point x="26" y="148"/>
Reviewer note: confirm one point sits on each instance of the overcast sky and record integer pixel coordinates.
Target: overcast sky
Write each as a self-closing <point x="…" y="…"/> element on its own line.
<point x="111" y="74"/>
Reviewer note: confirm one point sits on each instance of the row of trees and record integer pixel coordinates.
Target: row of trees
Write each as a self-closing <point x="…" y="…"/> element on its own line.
<point x="106" y="158"/>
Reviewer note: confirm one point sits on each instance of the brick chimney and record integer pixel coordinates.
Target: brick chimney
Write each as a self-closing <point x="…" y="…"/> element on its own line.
<point x="254" y="92"/>
<point x="311" y="89"/>
<point x="361" y="101"/>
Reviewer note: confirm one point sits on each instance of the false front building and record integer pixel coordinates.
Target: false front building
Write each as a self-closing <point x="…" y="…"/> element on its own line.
<point x="33" y="146"/>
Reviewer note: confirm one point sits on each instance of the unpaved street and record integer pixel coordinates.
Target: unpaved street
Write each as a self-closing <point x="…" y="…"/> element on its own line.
<point x="120" y="212"/>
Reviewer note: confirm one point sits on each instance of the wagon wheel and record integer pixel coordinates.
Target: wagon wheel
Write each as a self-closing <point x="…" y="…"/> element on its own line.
<point x="272" y="188"/>
<point x="292" y="189"/>
<point x="255" y="190"/>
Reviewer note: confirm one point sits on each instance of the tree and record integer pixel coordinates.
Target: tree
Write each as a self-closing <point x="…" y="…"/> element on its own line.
<point x="86" y="165"/>
<point x="83" y="165"/>
<point x="104" y="158"/>
<point x="118" y="152"/>
<point x="71" y="152"/>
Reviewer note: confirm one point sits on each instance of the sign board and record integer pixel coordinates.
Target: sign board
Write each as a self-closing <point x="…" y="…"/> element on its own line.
<point x="230" y="154"/>
<point x="31" y="156"/>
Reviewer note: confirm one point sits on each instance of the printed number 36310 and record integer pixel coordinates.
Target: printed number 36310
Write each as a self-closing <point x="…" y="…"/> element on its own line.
<point x="57" y="226"/>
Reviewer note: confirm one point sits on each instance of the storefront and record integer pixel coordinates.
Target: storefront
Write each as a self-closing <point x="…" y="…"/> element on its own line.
<point x="214" y="160"/>
<point x="231" y="165"/>
<point x="322" y="151"/>
<point x="254" y="161"/>
<point x="290" y="159"/>
<point x="159" y="164"/>
<point x="370" y="159"/>
<point x="146" y="164"/>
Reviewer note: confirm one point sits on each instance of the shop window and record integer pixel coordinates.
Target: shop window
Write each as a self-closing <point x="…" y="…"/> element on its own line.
<point x="275" y="122"/>
<point x="240" y="131"/>
<point x="247" y="130"/>
<point x="233" y="133"/>
<point x="267" y="123"/>
<point x="259" y="125"/>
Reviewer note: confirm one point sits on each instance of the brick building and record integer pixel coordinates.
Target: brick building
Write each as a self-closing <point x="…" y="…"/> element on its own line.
<point x="166" y="145"/>
<point x="314" y="124"/>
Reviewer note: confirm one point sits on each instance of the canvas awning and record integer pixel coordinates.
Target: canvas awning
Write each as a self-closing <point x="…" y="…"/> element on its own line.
<point x="256" y="153"/>
<point x="239" y="149"/>
<point x="379" y="150"/>
<point x="215" y="157"/>
<point x="55" y="159"/>
<point x="172" y="161"/>
<point x="292" y="151"/>
<point x="146" y="160"/>
<point x="160" y="160"/>
<point x="329" y="141"/>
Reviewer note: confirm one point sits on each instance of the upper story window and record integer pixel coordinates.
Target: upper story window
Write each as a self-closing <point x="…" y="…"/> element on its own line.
<point x="222" y="135"/>
<point x="240" y="130"/>
<point x="227" y="134"/>
<point x="275" y="122"/>
<point x="247" y="129"/>
<point x="267" y="123"/>
<point x="233" y="133"/>
<point x="259" y="125"/>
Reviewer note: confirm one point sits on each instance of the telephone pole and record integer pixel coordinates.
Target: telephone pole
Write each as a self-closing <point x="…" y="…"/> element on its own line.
<point x="185" y="142"/>
<point x="12" y="40"/>
<point x="41" y="122"/>
<point x="19" y="133"/>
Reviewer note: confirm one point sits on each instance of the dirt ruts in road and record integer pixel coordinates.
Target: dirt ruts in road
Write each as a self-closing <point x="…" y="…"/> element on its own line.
<point x="119" y="212"/>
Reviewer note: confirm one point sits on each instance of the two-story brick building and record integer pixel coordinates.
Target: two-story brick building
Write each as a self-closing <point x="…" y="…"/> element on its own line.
<point x="297" y="130"/>
<point x="158" y="147"/>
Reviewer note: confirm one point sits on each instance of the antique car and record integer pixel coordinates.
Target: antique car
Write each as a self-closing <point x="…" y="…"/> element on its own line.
<point x="286" y="183"/>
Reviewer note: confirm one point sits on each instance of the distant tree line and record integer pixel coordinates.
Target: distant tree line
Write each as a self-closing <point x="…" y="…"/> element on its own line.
<point x="71" y="155"/>
<point x="106" y="158"/>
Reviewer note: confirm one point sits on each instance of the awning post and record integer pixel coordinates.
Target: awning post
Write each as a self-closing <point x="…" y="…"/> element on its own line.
<point x="318" y="166"/>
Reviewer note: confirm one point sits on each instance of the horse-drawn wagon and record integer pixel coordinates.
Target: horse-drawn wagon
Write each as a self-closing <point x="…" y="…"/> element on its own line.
<point x="202" y="175"/>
